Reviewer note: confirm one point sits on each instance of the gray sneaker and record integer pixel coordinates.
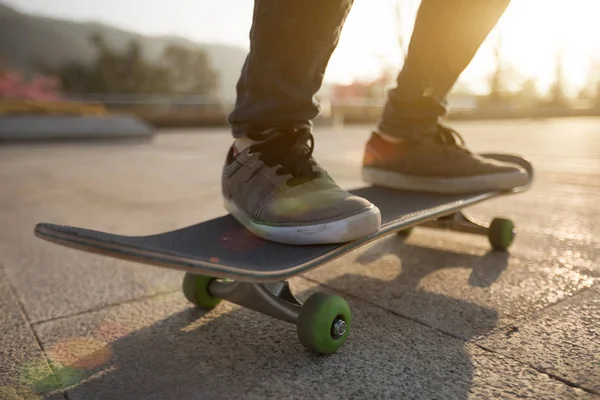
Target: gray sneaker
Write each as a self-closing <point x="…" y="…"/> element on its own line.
<point x="437" y="163"/>
<point x="277" y="191"/>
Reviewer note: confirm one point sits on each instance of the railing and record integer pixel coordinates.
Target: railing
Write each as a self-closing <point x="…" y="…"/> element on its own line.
<point x="191" y="110"/>
<point x="143" y="99"/>
<point x="117" y="99"/>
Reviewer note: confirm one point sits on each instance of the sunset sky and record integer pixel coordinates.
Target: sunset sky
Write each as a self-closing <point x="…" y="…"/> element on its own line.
<point x="532" y="32"/>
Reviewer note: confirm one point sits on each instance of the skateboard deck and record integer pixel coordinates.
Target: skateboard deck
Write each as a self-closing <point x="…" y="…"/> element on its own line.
<point x="222" y="248"/>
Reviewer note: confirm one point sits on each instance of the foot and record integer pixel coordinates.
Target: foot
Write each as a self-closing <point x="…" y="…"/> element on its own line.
<point x="439" y="163"/>
<point x="275" y="188"/>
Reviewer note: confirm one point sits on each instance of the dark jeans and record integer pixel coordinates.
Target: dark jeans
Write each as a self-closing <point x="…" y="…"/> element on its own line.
<point x="291" y="42"/>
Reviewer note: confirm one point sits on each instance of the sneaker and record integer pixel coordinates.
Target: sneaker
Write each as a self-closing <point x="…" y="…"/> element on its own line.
<point x="276" y="189"/>
<point x="438" y="163"/>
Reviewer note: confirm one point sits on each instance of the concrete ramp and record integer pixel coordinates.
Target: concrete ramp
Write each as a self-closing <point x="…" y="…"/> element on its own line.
<point x="41" y="127"/>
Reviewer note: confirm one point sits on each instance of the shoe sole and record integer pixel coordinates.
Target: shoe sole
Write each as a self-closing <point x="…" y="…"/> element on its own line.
<point x="350" y="228"/>
<point x="472" y="184"/>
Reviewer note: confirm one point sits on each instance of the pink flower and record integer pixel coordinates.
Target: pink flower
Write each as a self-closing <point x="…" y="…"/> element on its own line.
<point x="13" y="85"/>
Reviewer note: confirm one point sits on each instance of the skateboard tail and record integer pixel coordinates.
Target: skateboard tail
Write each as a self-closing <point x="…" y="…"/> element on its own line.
<point x="55" y="234"/>
<point x="85" y="240"/>
<point x="69" y="237"/>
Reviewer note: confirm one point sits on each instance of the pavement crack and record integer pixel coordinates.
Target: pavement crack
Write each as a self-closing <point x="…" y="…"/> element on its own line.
<point x="540" y="370"/>
<point x="513" y="324"/>
<point x="27" y="320"/>
<point x="100" y="308"/>
<point x="513" y="329"/>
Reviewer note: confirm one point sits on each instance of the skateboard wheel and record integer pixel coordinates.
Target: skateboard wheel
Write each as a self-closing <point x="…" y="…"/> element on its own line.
<point x="501" y="233"/>
<point x="406" y="232"/>
<point x="195" y="289"/>
<point x="324" y="323"/>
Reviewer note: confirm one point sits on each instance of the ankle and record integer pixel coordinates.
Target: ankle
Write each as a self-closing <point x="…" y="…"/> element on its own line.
<point x="382" y="147"/>
<point x="386" y="137"/>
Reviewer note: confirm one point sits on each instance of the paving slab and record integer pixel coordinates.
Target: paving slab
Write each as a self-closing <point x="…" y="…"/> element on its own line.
<point x="162" y="348"/>
<point x="22" y="361"/>
<point x="563" y="340"/>
<point x="118" y="188"/>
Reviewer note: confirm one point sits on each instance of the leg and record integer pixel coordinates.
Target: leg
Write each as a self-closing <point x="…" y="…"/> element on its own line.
<point x="291" y="42"/>
<point x="271" y="184"/>
<point x="412" y="150"/>
<point x="446" y="37"/>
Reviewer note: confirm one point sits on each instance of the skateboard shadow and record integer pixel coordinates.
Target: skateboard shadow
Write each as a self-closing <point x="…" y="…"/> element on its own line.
<point x="406" y="295"/>
<point x="484" y="270"/>
<point x="397" y="347"/>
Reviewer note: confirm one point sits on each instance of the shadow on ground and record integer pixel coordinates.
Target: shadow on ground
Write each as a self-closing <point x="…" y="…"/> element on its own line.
<point x="232" y="352"/>
<point x="484" y="270"/>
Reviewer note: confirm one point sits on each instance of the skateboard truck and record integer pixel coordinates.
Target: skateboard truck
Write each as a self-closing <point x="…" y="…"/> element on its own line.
<point x="459" y="222"/>
<point x="322" y="322"/>
<point x="273" y="299"/>
<point x="501" y="232"/>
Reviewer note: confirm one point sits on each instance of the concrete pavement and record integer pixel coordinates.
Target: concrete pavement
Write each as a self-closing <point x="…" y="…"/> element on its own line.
<point x="436" y="315"/>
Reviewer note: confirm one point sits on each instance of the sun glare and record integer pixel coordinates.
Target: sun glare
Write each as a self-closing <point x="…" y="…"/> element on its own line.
<point x="533" y="35"/>
<point x="537" y="34"/>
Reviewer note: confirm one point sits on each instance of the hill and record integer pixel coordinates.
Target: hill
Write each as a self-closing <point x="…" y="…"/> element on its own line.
<point x="25" y="39"/>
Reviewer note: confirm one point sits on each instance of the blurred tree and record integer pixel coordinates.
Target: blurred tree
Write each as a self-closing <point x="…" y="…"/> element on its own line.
<point x="189" y="70"/>
<point x="557" y="92"/>
<point x="497" y="79"/>
<point x="595" y="78"/>
<point x="528" y="96"/>
<point x="591" y="88"/>
<point x="505" y="83"/>
<point x="180" y="70"/>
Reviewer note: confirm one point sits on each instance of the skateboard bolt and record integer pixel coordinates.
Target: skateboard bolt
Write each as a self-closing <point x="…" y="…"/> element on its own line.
<point x="338" y="328"/>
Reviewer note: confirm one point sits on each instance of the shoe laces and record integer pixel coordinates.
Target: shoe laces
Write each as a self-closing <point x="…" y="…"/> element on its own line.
<point x="450" y="139"/>
<point x="290" y="149"/>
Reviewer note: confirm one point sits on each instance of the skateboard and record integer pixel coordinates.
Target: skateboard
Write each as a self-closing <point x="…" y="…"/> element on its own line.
<point x="223" y="260"/>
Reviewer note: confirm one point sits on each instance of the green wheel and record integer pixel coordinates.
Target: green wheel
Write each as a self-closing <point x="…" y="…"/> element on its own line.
<point x="195" y="289"/>
<point x="406" y="232"/>
<point x="324" y="323"/>
<point x="501" y="233"/>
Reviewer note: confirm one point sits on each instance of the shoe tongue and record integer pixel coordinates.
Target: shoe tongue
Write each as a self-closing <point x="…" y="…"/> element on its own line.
<point x="241" y="144"/>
